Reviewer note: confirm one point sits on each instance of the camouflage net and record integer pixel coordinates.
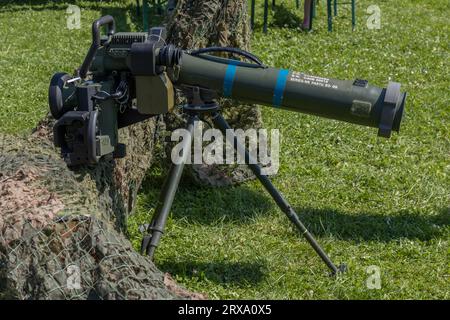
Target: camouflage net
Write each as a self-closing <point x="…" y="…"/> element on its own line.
<point x="62" y="231"/>
<point x="75" y="258"/>
<point x="60" y="236"/>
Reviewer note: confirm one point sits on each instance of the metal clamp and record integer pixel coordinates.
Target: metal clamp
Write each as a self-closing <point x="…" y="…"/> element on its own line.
<point x="388" y="113"/>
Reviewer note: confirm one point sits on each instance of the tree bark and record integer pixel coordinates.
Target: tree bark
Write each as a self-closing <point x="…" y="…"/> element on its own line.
<point x="62" y="231"/>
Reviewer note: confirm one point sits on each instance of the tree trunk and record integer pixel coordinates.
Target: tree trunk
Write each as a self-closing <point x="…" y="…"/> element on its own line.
<point x="62" y="231"/>
<point x="224" y="23"/>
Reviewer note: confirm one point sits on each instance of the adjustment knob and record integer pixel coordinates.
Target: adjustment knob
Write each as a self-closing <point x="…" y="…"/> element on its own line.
<point x="55" y="94"/>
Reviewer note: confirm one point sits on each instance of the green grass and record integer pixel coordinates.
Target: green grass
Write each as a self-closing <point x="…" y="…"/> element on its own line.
<point x="368" y="200"/>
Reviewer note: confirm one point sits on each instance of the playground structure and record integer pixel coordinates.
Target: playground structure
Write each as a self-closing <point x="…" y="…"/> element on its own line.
<point x="332" y="11"/>
<point x="157" y="5"/>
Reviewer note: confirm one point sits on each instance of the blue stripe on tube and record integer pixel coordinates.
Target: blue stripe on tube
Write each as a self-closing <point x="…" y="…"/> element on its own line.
<point x="279" y="87"/>
<point x="229" y="80"/>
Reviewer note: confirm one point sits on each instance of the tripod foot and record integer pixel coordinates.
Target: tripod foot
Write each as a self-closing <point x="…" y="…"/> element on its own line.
<point x="145" y="243"/>
<point x="340" y="270"/>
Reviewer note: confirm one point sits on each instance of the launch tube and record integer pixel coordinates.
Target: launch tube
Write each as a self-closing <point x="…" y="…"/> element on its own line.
<point x="355" y="101"/>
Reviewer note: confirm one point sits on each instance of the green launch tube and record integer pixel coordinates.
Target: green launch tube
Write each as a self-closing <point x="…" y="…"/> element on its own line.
<point x="351" y="101"/>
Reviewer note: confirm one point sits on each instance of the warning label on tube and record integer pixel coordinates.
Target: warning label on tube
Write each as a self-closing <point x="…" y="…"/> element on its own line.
<point x="312" y="80"/>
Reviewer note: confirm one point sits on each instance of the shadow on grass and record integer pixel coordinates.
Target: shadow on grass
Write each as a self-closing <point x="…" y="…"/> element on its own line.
<point x="219" y="272"/>
<point x="120" y="13"/>
<point x="39" y="5"/>
<point x="120" y="16"/>
<point x="284" y="17"/>
<point x="207" y="205"/>
<point x="375" y="227"/>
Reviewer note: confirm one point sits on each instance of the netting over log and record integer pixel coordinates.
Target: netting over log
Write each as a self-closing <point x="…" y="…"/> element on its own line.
<point x="56" y="224"/>
<point x="62" y="231"/>
<point x="77" y="258"/>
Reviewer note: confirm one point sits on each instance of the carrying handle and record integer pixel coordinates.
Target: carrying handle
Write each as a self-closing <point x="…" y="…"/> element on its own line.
<point x="258" y="63"/>
<point x="105" y="20"/>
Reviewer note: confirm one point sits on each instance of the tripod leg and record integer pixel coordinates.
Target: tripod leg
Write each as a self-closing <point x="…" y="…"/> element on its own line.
<point x="266" y="14"/>
<point x="221" y="123"/>
<point x="252" y="15"/>
<point x="145" y="10"/>
<point x="156" y="227"/>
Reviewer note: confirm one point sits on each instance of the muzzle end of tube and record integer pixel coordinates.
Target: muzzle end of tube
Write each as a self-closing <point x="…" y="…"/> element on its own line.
<point x="392" y="112"/>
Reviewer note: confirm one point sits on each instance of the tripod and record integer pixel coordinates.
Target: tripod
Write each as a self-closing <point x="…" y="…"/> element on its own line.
<point x="195" y="111"/>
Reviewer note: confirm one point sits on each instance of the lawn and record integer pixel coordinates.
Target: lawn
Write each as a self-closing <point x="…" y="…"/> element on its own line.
<point x="369" y="201"/>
